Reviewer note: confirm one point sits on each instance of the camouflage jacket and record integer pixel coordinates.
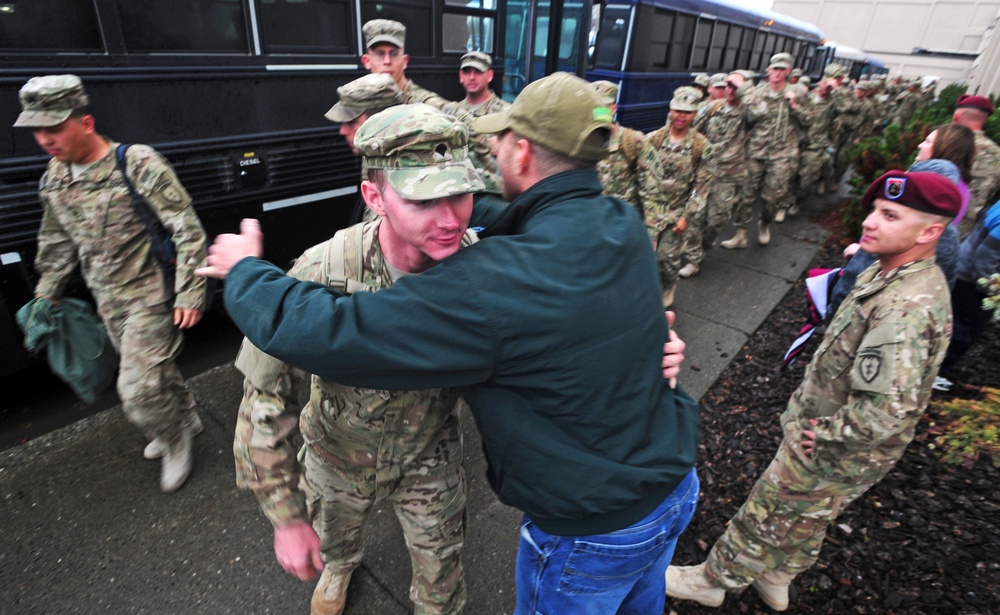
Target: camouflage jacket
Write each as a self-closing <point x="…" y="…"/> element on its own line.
<point x="726" y="127"/>
<point x="846" y="113"/>
<point x="618" y="171"/>
<point x="817" y="114"/>
<point x="774" y="131"/>
<point x="870" y="380"/>
<point x="985" y="175"/>
<point x="906" y="106"/>
<point x="672" y="184"/>
<point x="364" y="435"/>
<point x="91" y="221"/>
<point x="493" y="104"/>
<point x="413" y="93"/>
<point x="479" y="148"/>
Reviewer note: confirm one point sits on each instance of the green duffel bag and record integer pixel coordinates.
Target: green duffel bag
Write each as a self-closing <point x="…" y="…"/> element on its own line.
<point x="79" y="350"/>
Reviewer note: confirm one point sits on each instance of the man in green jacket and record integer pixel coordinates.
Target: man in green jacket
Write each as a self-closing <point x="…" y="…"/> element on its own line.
<point x="558" y="356"/>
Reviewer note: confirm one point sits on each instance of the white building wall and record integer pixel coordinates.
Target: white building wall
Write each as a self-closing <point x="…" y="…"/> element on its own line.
<point x="892" y="29"/>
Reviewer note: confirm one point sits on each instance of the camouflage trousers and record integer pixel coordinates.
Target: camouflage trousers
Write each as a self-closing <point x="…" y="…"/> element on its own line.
<point x="429" y="502"/>
<point x="727" y="198"/>
<point x="773" y="179"/>
<point x="154" y="396"/>
<point x="782" y="524"/>
<point x="841" y="160"/>
<point x="813" y="165"/>
<point x="669" y="247"/>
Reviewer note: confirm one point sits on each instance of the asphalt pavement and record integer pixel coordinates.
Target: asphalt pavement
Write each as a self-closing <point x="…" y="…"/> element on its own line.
<point x="85" y="528"/>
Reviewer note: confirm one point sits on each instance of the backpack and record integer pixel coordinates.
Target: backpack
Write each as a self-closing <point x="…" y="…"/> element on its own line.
<point x="657" y="138"/>
<point x="631" y="140"/>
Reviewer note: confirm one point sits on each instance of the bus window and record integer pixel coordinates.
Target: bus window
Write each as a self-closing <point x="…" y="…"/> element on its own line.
<point x="468" y="33"/>
<point x="746" y="57"/>
<point x="314" y="26"/>
<point x="183" y="25"/>
<point x="680" y="44"/>
<point x="567" y="39"/>
<point x="730" y="56"/>
<point x="612" y="37"/>
<point x="702" y="39"/>
<point x="32" y="25"/>
<point x="653" y="56"/>
<point x="416" y="15"/>
<point x="715" y="57"/>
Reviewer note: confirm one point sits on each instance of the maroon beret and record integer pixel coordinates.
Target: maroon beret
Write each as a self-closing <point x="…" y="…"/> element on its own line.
<point x="929" y="192"/>
<point x="975" y="102"/>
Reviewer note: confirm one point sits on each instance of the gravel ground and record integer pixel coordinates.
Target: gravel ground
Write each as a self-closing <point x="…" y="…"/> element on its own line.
<point x="924" y="540"/>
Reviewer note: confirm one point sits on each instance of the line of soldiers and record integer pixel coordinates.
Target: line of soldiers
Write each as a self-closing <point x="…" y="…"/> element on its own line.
<point x="728" y="143"/>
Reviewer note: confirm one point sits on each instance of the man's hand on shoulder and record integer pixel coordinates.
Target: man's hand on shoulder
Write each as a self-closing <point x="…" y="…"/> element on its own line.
<point x="297" y="548"/>
<point x="229" y="249"/>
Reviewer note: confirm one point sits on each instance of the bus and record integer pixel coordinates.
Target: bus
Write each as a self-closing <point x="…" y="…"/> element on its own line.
<point x="232" y="92"/>
<point x="651" y="47"/>
<point x="857" y="62"/>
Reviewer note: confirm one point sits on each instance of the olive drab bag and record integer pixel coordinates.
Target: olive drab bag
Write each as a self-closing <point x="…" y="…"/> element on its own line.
<point x="78" y="348"/>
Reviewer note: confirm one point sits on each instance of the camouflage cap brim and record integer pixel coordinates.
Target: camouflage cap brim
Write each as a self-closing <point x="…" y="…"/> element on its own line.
<point x="475" y="63"/>
<point x="42" y="119"/>
<point x="436" y="181"/>
<point x="341" y="113"/>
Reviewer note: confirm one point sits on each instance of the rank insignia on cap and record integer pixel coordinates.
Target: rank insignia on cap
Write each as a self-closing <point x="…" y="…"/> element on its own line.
<point x="894" y="187"/>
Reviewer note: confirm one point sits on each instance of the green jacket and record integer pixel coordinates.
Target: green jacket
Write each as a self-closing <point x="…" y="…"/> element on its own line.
<point x="552" y="324"/>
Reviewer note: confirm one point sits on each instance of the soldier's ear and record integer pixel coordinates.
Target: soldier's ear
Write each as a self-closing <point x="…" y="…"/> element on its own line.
<point x="373" y="197"/>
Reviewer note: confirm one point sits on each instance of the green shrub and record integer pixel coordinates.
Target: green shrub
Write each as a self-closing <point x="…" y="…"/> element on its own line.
<point x="972" y="429"/>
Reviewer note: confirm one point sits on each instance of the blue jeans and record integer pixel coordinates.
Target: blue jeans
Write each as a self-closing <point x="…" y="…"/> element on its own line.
<point x="618" y="572"/>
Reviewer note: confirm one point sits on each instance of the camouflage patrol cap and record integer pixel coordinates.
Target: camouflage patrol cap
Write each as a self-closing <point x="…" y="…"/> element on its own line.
<point x="805" y="80"/>
<point x="424" y="152"/>
<point x="384" y="31"/>
<point x="702" y="79"/>
<point x="608" y="90"/>
<point x="49" y="100"/>
<point x="686" y="98"/>
<point x="796" y="72"/>
<point x="560" y="112"/>
<point x="477" y="60"/>
<point x="718" y="80"/>
<point x="749" y="75"/>
<point x="781" y="60"/>
<point x="834" y="71"/>
<point x="369" y="94"/>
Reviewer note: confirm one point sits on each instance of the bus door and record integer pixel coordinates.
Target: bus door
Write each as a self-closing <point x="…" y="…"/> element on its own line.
<point x="533" y="49"/>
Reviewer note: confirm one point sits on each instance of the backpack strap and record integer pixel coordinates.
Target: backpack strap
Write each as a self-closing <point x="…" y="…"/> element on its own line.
<point x="343" y="261"/>
<point x="630" y="145"/>
<point x="657" y="138"/>
<point x="696" y="149"/>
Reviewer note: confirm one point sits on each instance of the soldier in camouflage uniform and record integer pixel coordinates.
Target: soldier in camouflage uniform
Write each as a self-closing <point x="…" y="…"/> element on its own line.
<point x="676" y="170"/>
<point x="972" y="112"/>
<point x="774" y="144"/>
<point x="619" y="171"/>
<point x="88" y="219"/>
<point x="818" y="113"/>
<point x="385" y="42"/>
<point x="907" y="103"/>
<point x="857" y="407"/>
<point x="476" y="73"/>
<point x="359" y="100"/>
<point x="724" y="123"/>
<point x="363" y="446"/>
<point x="849" y="118"/>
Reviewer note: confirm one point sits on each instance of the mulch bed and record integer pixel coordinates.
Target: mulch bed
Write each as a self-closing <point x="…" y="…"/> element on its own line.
<point x="924" y="540"/>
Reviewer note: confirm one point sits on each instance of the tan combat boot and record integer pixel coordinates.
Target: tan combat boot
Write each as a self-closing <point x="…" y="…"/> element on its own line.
<point x="688" y="270"/>
<point x="794" y="210"/>
<point x="330" y="594"/>
<point x="157" y="448"/>
<point x="772" y="587"/>
<point x="763" y="233"/>
<point x="175" y="467"/>
<point x="738" y="241"/>
<point x="780" y="216"/>
<point x="668" y="296"/>
<point x="693" y="583"/>
<point x="821" y="188"/>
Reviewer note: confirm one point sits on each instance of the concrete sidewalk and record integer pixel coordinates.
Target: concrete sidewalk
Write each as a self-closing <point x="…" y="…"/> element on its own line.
<point x="86" y="529"/>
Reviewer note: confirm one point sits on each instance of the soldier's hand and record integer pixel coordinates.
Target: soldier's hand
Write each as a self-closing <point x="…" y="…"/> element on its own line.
<point x="680" y="226"/>
<point x="673" y="353"/>
<point x="297" y="548"/>
<point x="229" y="249"/>
<point x="185" y="318"/>
<point x="809" y="439"/>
